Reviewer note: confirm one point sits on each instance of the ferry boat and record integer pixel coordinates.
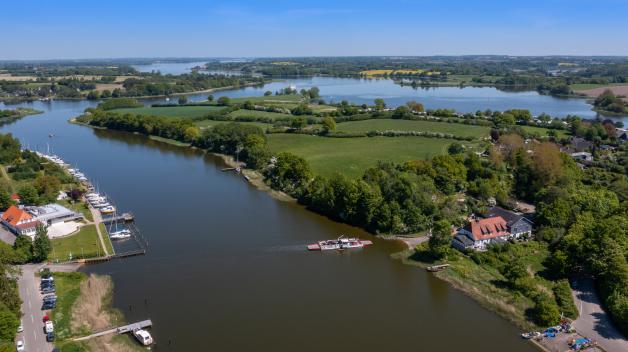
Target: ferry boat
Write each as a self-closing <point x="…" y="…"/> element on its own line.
<point x="339" y="244"/>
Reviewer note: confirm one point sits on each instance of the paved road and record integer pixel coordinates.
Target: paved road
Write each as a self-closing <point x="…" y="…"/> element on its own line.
<point x="32" y="318"/>
<point x="6" y="236"/>
<point x="593" y="322"/>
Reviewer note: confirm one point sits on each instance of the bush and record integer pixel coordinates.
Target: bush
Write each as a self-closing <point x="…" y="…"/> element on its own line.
<point x="119" y="103"/>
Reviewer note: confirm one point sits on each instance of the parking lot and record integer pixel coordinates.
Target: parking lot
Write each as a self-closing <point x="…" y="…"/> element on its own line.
<point x="32" y="301"/>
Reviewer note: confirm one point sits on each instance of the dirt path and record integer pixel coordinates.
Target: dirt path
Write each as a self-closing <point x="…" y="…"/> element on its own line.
<point x="593" y="321"/>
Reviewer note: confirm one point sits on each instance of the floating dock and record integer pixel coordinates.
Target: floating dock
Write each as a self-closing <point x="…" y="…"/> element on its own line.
<point x="119" y="330"/>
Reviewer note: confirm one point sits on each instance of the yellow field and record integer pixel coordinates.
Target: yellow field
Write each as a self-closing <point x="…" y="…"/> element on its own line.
<point x="108" y="86"/>
<point x="284" y="63"/>
<point x="399" y="72"/>
<point x="8" y="77"/>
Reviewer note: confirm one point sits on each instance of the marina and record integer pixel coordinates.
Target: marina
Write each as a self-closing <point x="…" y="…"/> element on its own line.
<point x="119" y="227"/>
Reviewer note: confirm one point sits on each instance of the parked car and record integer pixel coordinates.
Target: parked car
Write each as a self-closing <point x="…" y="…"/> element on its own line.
<point x="49" y="327"/>
<point x="50" y="337"/>
<point x="20" y="346"/>
<point x="20" y="328"/>
<point x="45" y="318"/>
<point x="48" y="290"/>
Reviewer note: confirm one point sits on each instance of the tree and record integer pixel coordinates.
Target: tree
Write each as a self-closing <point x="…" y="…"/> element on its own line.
<point x="439" y="242"/>
<point x="93" y="95"/>
<point x="546" y="311"/>
<point x="268" y="93"/>
<point x="105" y="94"/>
<point x="23" y="247"/>
<point x="183" y="100"/>
<point x="28" y="195"/>
<point x="380" y="104"/>
<point x="8" y="323"/>
<point x="401" y="112"/>
<point x="75" y="194"/>
<point x="41" y="244"/>
<point x="455" y="148"/>
<point x="210" y="98"/>
<point x="224" y="101"/>
<point x="329" y="124"/>
<point x="415" y="107"/>
<point x="314" y="92"/>
<point x="298" y="123"/>
<point x="47" y="187"/>
<point x="5" y="200"/>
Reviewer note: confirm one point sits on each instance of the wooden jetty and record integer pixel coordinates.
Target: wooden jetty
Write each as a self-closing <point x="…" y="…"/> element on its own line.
<point x="119" y="330"/>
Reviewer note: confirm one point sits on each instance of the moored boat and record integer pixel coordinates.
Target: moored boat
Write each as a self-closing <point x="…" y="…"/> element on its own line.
<point x="108" y="209"/>
<point x="339" y="244"/>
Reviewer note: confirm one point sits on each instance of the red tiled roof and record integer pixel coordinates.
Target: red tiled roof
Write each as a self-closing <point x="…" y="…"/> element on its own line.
<point x="15" y="196"/>
<point x="483" y="229"/>
<point x="13" y="215"/>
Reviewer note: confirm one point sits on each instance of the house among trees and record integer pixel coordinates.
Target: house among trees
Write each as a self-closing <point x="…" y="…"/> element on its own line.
<point x="498" y="226"/>
<point x="20" y="221"/>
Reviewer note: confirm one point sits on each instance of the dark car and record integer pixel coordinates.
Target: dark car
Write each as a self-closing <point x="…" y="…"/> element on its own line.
<point x="50" y="336"/>
<point x="48" y="290"/>
<point x="49" y="306"/>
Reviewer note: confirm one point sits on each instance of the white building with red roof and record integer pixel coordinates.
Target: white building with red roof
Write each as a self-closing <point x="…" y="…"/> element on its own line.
<point x="19" y="221"/>
<point x="500" y="225"/>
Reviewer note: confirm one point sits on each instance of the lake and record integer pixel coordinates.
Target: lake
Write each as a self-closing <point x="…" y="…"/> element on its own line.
<point x="227" y="267"/>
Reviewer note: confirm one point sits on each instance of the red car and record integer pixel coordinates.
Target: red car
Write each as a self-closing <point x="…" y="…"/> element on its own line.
<point x="46" y="318"/>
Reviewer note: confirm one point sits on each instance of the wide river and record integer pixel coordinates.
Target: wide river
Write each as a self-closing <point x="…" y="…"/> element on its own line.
<point x="227" y="268"/>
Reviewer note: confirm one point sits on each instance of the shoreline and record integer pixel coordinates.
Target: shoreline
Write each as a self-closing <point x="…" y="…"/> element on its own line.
<point x="209" y="90"/>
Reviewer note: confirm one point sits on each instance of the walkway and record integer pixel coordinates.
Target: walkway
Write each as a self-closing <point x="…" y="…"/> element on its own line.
<point x="593" y="321"/>
<point x="97" y="220"/>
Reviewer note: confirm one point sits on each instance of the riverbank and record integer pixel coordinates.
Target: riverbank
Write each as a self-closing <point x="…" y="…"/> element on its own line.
<point x="17" y="100"/>
<point x="84" y="306"/>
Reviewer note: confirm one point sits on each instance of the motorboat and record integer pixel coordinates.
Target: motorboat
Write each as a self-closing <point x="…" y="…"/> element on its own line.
<point x="143" y="337"/>
<point x="108" y="209"/>
<point x="341" y="243"/>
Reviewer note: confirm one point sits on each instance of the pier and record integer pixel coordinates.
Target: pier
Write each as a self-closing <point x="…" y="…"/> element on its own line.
<point x="126" y="217"/>
<point x="119" y="330"/>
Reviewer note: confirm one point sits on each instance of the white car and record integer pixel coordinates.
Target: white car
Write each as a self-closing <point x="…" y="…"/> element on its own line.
<point x="20" y="346"/>
<point x="20" y="328"/>
<point x="49" y="327"/>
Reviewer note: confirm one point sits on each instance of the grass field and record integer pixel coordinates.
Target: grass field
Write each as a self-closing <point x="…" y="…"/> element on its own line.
<point x="173" y="111"/>
<point x="409" y="125"/>
<point x="78" y="207"/>
<point x="543" y="131"/>
<point x="292" y="98"/>
<point x="211" y="123"/>
<point x="585" y="86"/>
<point x="84" y="244"/>
<point x="256" y="114"/>
<point x="351" y="156"/>
<point x="106" y="239"/>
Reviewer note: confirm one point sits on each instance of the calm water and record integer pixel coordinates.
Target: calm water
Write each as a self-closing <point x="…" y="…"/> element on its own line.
<point x="227" y="267"/>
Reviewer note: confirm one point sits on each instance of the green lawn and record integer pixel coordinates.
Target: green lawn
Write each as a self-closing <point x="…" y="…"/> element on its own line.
<point x="84" y="244"/>
<point x="543" y="131"/>
<point x="211" y="123"/>
<point x="351" y="156"/>
<point x="172" y="111"/>
<point x="257" y="114"/>
<point x="106" y="239"/>
<point x="409" y="125"/>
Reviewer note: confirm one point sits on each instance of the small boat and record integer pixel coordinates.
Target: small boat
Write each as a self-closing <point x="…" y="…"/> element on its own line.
<point x="435" y="268"/>
<point x="108" y="210"/>
<point x="530" y="335"/>
<point x="143" y="337"/>
<point x="120" y="235"/>
<point x="339" y="244"/>
<point x="101" y="205"/>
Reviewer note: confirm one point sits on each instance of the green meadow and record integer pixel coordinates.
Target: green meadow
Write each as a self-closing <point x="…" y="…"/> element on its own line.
<point x="456" y="129"/>
<point x="351" y="156"/>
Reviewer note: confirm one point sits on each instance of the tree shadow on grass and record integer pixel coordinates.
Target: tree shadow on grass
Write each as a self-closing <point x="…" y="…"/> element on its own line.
<point x="422" y="256"/>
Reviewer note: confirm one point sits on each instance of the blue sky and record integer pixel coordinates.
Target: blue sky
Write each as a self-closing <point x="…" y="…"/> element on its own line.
<point x="114" y="28"/>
